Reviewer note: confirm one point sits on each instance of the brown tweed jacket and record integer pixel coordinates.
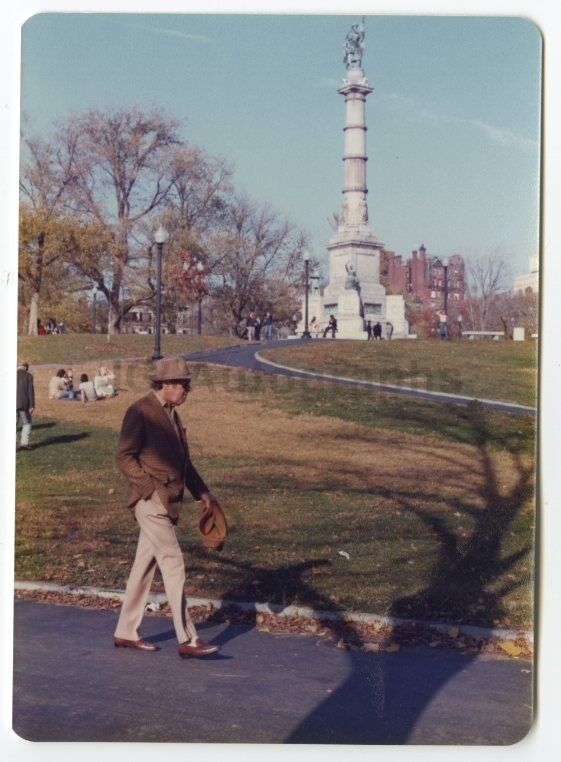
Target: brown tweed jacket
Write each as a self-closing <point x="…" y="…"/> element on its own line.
<point x="152" y="456"/>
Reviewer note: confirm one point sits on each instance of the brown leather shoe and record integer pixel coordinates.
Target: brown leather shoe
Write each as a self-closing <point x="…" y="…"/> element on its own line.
<point x="140" y="645"/>
<point x="197" y="649"/>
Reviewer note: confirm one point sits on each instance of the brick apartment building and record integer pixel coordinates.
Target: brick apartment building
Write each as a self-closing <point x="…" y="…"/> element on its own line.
<point x="422" y="279"/>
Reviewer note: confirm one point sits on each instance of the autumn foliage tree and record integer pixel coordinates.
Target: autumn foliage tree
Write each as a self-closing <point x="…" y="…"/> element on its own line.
<point x="94" y="192"/>
<point x="46" y="175"/>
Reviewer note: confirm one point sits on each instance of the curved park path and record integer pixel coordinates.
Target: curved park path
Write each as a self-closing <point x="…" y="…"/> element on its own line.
<point x="260" y="688"/>
<point x="249" y="356"/>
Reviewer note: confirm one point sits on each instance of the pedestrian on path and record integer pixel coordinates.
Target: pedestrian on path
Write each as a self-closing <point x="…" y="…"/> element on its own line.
<point x="154" y="457"/>
<point x="250" y="323"/>
<point x="268" y="326"/>
<point x="377" y="331"/>
<point x="25" y="403"/>
<point x="442" y="324"/>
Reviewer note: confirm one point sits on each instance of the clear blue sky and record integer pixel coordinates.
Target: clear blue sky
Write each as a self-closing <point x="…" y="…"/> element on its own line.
<point x="453" y="122"/>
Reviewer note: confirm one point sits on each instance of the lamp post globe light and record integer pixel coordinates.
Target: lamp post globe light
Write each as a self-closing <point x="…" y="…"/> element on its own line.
<point x="306" y="334"/>
<point x="94" y="294"/>
<point x="160" y="237"/>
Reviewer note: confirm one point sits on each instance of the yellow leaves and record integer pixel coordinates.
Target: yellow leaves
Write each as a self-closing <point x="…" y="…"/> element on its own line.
<point x="453" y="632"/>
<point x="511" y="648"/>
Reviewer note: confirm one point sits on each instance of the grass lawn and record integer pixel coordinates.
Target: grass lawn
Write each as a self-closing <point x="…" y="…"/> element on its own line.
<point x="499" y="370"/>
<point x="71" y="348"/>
<point x="433" y="504"/>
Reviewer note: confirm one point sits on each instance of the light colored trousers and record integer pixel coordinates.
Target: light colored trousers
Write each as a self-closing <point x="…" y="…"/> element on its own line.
<point x="157" y="546"/>
<point x="25" y="419"/>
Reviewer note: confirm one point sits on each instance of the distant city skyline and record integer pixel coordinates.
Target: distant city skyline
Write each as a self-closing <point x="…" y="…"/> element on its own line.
<point x="454" y="119"/>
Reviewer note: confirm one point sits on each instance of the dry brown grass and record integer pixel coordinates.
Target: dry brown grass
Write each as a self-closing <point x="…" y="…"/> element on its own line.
<point x="446" y="506"/>
<point x="309" y="449"/>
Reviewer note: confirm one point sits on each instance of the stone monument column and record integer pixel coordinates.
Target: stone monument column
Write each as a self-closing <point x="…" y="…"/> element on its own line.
<point x="354" y="293"/>
<point x="354" y="244"/>
<point x="355" y="90"/>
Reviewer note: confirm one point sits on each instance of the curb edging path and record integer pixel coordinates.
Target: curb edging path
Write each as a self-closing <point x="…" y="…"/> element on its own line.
<point x="283" y="612"/>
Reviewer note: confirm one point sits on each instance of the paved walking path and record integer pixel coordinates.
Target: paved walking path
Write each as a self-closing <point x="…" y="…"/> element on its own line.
<point x="249" y="356"/>
<point x="71" y="684"/>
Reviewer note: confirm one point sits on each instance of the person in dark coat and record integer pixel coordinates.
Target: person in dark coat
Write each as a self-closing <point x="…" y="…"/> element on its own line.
<point x="268" y="326"/>
<point x="377" y="331"/>
<point x="331" y="326"/>
<point x="369" y="329"/>
<point x="25" y="403"/>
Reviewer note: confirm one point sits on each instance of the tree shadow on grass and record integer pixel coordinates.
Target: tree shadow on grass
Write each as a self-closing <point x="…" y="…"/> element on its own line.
<point x="385" y="694"/>
<point x="282" y="586"/>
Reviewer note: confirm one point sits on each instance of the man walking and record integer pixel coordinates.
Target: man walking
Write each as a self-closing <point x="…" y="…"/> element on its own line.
<point x="25" y="403"/>
<point x="250" y="323"/>
<point x="268" y="326"/>
<point x="154" y="457"/>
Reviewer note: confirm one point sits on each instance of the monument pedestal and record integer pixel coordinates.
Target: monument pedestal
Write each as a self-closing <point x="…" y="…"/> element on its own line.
<point x="350" y="323"/>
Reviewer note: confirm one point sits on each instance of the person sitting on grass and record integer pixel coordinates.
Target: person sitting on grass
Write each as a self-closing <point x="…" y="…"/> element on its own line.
<point x="87" y="389"/>
<point x="58" y="387"/>
<point x="69" y="378"/>
<point x="101" y="382"/>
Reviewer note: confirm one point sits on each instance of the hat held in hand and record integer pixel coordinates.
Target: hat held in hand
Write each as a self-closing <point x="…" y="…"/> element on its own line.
<point x="212" y="526"/>
<point x="170" y="369"/>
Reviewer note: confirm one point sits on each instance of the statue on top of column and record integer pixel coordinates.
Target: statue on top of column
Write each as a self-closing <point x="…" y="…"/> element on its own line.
<point x="354" y="46"/>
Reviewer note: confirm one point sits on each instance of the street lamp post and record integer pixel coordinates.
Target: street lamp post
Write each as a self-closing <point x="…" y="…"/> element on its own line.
<point x="94" y="294"/>
<point x="200" y="294"/>
<point x="160" y="237"/>
<point x="306" y="334"/>
<point x="445" y="265"/>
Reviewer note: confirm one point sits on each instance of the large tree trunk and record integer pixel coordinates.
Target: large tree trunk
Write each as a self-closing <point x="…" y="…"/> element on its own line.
<point x="114" y="302"/>
<point x="114" y="318"/>
<point x="36" y="280"/>
<point x="33" y="311"/>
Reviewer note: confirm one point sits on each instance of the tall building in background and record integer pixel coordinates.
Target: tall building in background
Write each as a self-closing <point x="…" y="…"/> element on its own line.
<point x="529" y="283"/>
<point x="424" y="279"/>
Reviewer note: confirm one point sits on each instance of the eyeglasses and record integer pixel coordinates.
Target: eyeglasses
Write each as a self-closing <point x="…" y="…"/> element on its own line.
<point x="180" y="382"/>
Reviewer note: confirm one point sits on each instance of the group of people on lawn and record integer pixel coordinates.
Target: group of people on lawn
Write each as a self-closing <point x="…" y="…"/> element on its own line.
<point x="373" y="332"/>
<point x="255" y="324"/>
<point x="62" y="386"/>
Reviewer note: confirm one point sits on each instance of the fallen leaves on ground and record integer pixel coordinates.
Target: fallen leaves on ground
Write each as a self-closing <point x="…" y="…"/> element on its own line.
<point x="346" y="635"/>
